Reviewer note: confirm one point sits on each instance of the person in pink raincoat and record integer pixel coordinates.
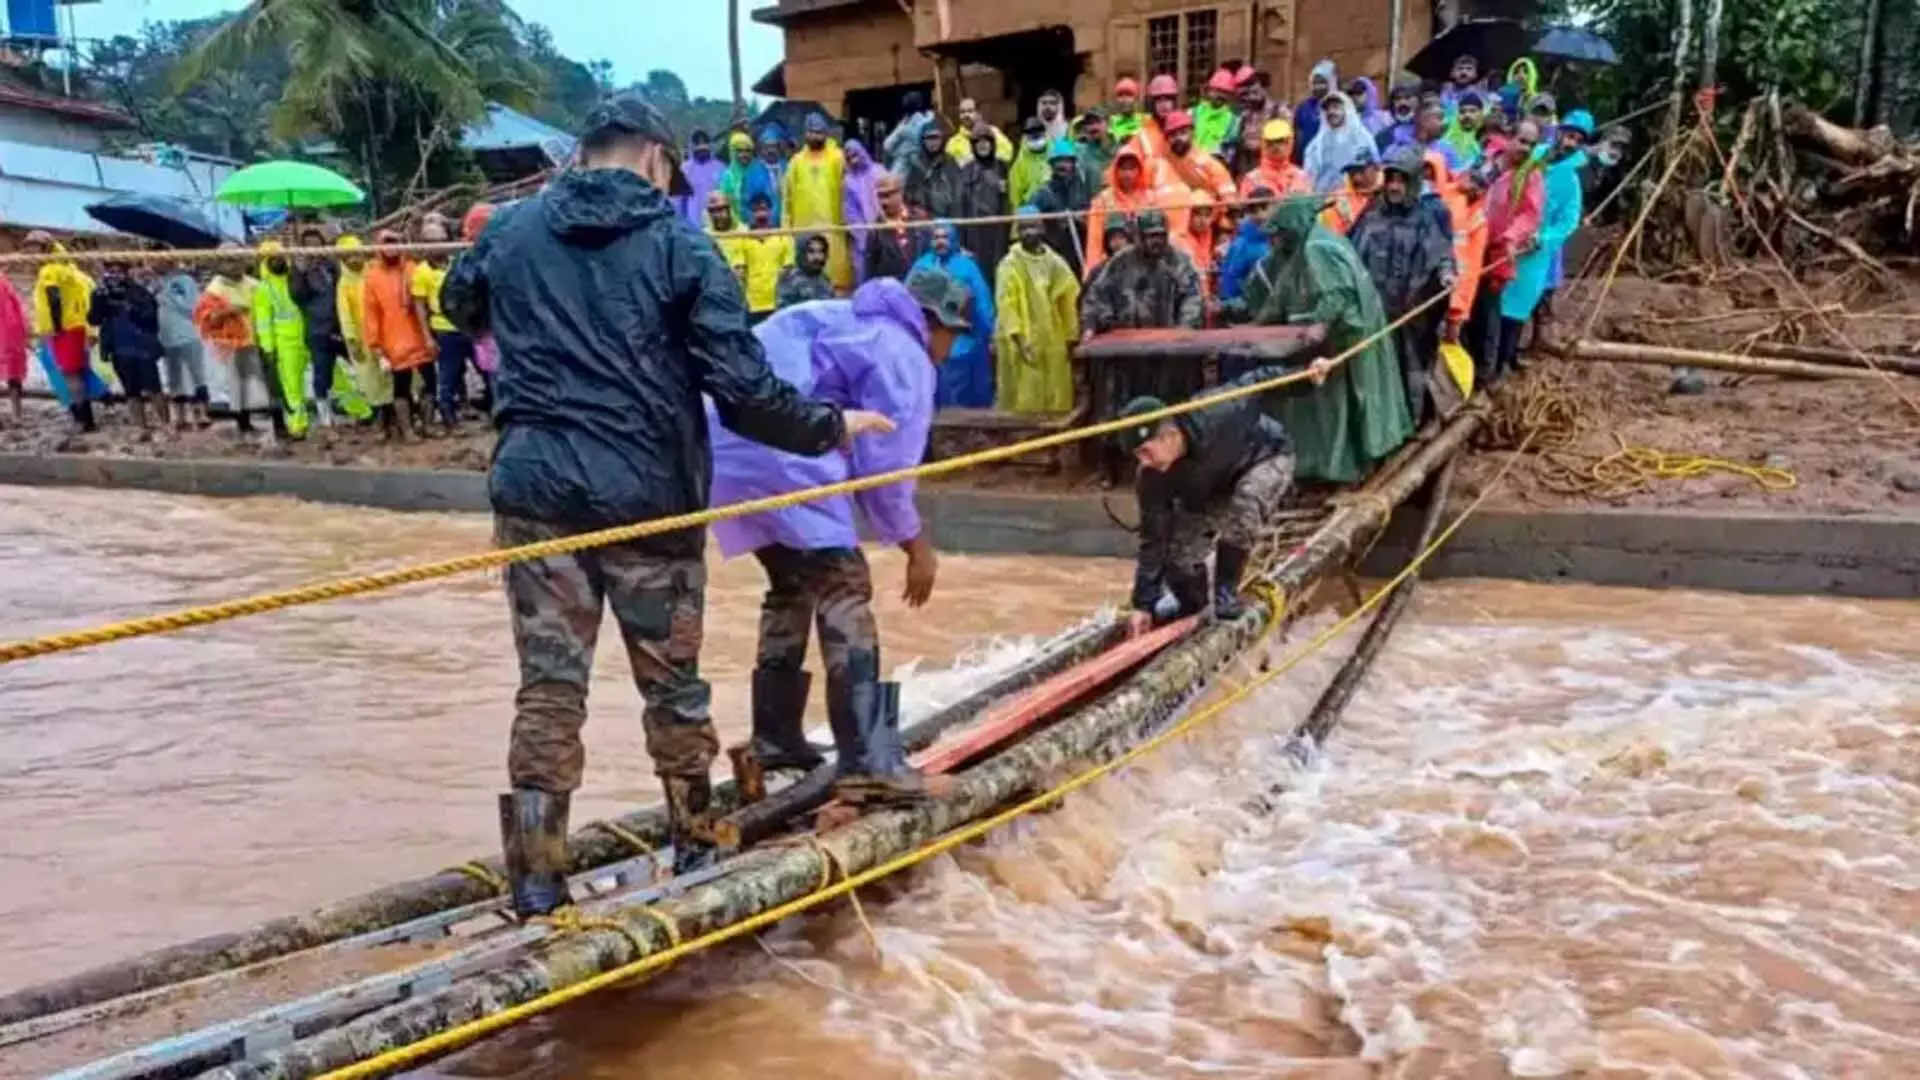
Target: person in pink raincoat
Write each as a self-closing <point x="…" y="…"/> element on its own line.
<point x="13" y="344"/>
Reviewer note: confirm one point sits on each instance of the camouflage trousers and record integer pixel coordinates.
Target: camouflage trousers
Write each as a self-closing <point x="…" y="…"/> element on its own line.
<point x="658" y="603"/>
<point x="832" y="587"/>
<point x="1238" y="520"/>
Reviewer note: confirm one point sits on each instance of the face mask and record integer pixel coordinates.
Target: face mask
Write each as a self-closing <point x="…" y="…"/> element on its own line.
<point x="278" y="266"/>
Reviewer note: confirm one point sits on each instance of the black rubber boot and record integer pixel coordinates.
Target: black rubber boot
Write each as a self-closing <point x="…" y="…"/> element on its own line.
<point x="690" y="821"/>
<point x="779" y="708"/>
<point x="873" y="768"/>
<point x="1229" y="562"/>
<point x="533" y="836"/>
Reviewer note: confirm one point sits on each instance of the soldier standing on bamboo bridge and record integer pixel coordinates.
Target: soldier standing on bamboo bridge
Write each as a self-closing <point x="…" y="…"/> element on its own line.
<point x="1222" y="470"/>
<point x="613" y="316"/>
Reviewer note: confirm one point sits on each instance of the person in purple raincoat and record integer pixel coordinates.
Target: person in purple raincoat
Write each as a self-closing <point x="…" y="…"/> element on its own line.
<point x="860" y="201"/>
<point x="702" y="171"/>
<point x="879" y="349"/>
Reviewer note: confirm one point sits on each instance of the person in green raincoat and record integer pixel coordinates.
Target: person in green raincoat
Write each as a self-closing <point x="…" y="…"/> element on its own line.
<point x="1030" y="167"/>
<point x="280" y="329"/>
<point x="1344" y="428"/>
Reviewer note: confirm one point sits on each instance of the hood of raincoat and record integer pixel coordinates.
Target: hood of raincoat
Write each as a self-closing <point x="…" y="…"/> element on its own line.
<point x="1292" y="222"/>
<point x="268" y="250"/>
<point x="594" y="207"/>
<point x="613" y="316"/>
<point x="869" y="351"/>
<point x="1371" y="113"/>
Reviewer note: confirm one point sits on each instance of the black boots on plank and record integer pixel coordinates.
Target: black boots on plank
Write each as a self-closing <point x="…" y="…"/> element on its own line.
<point x="533" y="835"/>
<point x="779" y="711"/>
<point x="872" y="759"/>
<point x="1229" y="564"/>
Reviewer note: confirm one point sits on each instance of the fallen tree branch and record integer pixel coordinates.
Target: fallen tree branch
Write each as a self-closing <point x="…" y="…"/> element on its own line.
<point x="1660" y="355"/>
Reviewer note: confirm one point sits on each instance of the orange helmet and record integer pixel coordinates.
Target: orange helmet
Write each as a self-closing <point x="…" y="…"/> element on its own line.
<point x="1162" y="86"/>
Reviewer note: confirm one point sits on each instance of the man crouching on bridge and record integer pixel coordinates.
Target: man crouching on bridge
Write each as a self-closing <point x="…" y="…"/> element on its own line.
<point x="1219" y="470"/>
<point x="612" y="317"/>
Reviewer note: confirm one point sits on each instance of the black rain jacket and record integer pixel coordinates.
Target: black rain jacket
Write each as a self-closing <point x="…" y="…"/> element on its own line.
<point x="1223" y="442"/>
<point x="613" y="316"/>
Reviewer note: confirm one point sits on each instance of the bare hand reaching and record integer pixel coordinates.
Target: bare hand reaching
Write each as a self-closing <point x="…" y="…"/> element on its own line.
<point x="923" y="566"/>
<point x="1318" y="371"/>
<point x="1139" y="622"/>
<point x="864" y="422"/>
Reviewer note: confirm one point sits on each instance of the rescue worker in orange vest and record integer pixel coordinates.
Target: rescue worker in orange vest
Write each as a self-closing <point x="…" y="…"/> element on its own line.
<point x="1276" y="171"/>
<point x="1189" y="166"/>
<point x="1163" y="101"/>
<point x="1465" y="201"/>
<point x="1131" y="188"/>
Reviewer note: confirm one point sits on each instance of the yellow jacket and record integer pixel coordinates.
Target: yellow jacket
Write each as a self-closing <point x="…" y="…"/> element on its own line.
<point x="761" y="258"/>
<point x="350" y="302"/>
<point x="76" y="294"/>
<point x="960" y="147"/>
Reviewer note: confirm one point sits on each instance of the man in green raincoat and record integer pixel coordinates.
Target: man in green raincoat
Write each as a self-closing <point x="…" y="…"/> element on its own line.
<point x="1312" y="277"/>
<point x="280" y="329"/>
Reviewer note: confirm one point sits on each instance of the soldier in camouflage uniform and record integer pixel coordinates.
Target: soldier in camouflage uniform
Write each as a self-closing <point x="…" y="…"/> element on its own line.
<point x="1218" y="472"/>
<point x="1151" y="284"/>
<point x="614" y="316"/>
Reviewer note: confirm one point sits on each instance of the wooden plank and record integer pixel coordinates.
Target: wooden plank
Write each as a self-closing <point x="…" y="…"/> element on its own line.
<point x="1047" y="699"/>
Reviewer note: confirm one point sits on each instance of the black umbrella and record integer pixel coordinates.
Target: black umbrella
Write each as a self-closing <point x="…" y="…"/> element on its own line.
<point x="1572" y="45"/>
<point x="1495" y="43"/>
<point x="160" y="218"/>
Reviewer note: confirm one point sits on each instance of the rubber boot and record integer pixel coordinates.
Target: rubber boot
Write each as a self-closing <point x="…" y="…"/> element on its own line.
<point x="403" y="419"/>
<point x="779" y="706"/>
<point x="873" y="767"/>
<point x="1229" y="563"/>
<point x="690" y="821"/>
<point x="533" y="836"/>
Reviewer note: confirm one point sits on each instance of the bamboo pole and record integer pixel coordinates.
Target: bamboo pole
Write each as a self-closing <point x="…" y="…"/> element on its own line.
<point x="589" y="848"/>
<point x="770" y="877"/>
<point x="1621" y="353"/>
<point x="1828" y="354"/>
<point x="1339" y="693"/>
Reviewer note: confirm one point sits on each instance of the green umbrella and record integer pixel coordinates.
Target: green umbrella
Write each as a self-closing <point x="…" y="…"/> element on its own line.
<point x="289" y="185"/>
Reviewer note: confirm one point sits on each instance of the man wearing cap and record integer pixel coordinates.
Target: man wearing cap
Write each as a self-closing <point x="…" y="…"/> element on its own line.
<point x="1029" y="169"/>
<point x="1408" y="252"/>
<point x="1095" y="144"/>
<point x="1036" y="321"/>
<point x="614" y="317"/>
<point x="1123" y="118"/>
<point x="1190" y="166"/>
<point x="812" y="196"/>
<point x="933" y="178"/>
<point x="1066" y="192"/>
<point x="877" y="351"/>
<point x="1214" y="477"/>
<point x="1163" y="100"/>
<point x="1276" y="171"/>
<point x="1361" y="181"/>
<point x="1152" y="284"/>
<point x="1213" y="116"/>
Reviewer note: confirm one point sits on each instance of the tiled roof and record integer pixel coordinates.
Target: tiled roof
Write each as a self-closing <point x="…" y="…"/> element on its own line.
<point x="94" y="112"/>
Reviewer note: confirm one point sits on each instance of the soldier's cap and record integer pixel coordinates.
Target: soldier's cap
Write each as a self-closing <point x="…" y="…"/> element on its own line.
<point x="1151" y="219"/>
<point x="940" y="296"/>
<point x="630" y="113"/>
<point x="1363" y="158"/>
<point x="1408" y="161"/>
<point x="1130" y="438"/>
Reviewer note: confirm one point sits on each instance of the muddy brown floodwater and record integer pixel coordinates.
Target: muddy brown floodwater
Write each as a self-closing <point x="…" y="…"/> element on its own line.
<point x="1563" y="831"/>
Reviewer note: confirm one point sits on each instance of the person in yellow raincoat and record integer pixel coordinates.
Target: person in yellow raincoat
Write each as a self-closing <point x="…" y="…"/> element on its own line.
<point x="810" y="197"/>
<point x="280" y="328"/>
<point x="62" y="296"/>
<point x="1037" y="302"/>
<point x="764" y="258"/>
<point x="374" y="381"/>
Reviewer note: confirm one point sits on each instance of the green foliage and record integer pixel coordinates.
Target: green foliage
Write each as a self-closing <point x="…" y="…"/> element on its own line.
<point x="688" y="114"/>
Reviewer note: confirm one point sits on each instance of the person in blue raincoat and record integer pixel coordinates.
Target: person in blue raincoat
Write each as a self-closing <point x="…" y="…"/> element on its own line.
<point x="1579" y="120"/>
<point x="966" y="379"/>
<point x="1533" y="271"/>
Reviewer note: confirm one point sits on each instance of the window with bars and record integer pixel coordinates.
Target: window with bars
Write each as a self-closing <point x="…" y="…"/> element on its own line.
<point x="1185" y="46"/>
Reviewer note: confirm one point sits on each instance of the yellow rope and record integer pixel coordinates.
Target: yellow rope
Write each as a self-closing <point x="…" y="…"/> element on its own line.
<point x="360" y="585"/>
<point x="452" y="1038"/>
<point x="481" y="873"/>
<point x="570" y="920"/>
<point x="624" y="835"/>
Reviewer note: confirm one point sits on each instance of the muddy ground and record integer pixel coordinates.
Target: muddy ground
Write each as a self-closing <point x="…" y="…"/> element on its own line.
<point x="1834" y="446"/>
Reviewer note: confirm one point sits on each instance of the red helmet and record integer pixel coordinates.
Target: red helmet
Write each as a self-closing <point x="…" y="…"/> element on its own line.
<point x="1163" y="86"/>
<point x="475" y="222"/>
<point x="1178" y="120"/>
<point x="1126" y="86"/>
<point x="1222" y="81"/>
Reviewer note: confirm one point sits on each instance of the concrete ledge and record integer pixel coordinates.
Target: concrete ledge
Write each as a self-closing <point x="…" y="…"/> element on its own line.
<point x="1739" y="551"/>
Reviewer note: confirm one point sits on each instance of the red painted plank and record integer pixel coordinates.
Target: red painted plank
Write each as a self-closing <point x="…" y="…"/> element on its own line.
<point x="1012" y="716"/>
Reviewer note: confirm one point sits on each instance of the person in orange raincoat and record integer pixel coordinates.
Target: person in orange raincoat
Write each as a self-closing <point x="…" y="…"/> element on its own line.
<point x="1163" y="101"/>
<point x="1345" y="206"/>
<point x="1198" y="239"/>
<point x="1276" y="171"/>
<point x="1130" y="189"/>
<point x="394" y="332"/>
<point x="1467" y="214"/>
<point x="1187" y="165"/>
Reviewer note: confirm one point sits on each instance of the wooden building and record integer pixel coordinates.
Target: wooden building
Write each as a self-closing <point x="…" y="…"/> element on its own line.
<point x="857" y="57"/>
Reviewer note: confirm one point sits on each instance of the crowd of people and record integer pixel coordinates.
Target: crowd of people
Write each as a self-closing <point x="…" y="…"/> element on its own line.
<point x="1157" y="211"/>
<point x="309" y="341"/>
